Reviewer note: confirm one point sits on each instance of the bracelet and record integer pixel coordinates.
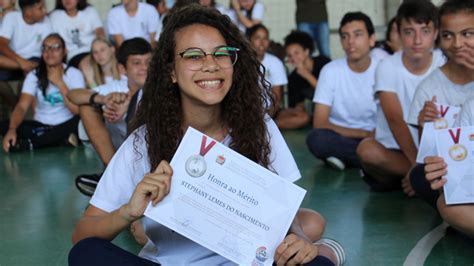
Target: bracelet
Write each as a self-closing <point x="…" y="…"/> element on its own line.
<point x="92" y="102"/>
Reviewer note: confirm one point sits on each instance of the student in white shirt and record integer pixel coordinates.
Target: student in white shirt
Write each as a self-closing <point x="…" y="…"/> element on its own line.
<point x="132" y="19"/>
<point x="79" y="24"/>
<point x="162" y="9"/>
<point x="103" y="108"/>
<point x="388" y="157"/>
<point x="451" y="84"/>
<point x="275" y="71"/>
<point x="344" y="113"/>
<point x="6" y="6"/>
<point x="246" y="13"/>
<point x="21" y="36"/>
<point x="456" y="31"/>
<point x="103" y="66"/>
<point x="212" y="95"/>
<point x="54" y="122"/>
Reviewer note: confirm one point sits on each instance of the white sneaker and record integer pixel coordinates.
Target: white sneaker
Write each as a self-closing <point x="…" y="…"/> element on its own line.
<point x="335" y="163"/>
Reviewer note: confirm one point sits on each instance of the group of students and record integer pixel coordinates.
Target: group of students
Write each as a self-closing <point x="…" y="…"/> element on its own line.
<point x="136" y="106"/>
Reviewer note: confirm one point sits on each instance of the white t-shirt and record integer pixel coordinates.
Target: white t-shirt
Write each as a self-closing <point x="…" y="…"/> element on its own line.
<point x="126" y="170"/>
<point x="379" y="53"/>
<point x="50" y="110"/>
<point x="257" y="14"/>
<point x="78" y="32"/>
<point x="446" y="92"/>
<point x="466" y="115"/>
<point x="348" y="93"/>
<point x="275" y="71"/>
<point x="141" y="25"/>
<point x="25" y="39"/>
<point x="392" y="76"/>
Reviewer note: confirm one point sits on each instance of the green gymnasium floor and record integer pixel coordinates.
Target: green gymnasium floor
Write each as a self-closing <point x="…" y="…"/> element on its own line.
<point x="40" y="206"/>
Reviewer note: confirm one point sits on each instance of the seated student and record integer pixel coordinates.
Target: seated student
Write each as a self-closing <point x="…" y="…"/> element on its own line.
<point x="79" y="24"/>
<point x="187" y="87"/>
<point x="388" y="157"/>
<point x="460" y="216"/>
<point x="21" y="36"/>
<point x="275" y="71"/>
<point x="106" y="136"/>
<point x="54" y="122"/>
<point x="246" y="13"/>
<point x="344" y="110"/>
<point x="450" y="84"/>
<point x="132" y="19"/>
<point x="302" y="81"/>
<point x="103" y="67"/>
<point x="390" y="45"/>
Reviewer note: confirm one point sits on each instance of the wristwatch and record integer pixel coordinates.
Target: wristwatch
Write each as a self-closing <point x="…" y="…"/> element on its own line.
<point x="92" y="101"/>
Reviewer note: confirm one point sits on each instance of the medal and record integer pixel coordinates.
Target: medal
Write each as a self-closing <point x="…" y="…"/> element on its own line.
<point x="441" y="122"/>
<point x="457" y="152"/>
<point x="196" y="164"/>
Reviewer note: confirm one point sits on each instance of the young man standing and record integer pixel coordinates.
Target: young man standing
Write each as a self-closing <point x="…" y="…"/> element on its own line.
<point x="21" y="36"/>
<point x="388" y="157"/>
<point x="103" y="109"/>
<point x="344" y="113"/>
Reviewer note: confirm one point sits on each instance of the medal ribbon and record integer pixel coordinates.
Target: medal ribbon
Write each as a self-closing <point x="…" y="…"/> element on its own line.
<point x="455" y="137"/>
<point x="443" y="111"/>
<point x="204" y="148"/>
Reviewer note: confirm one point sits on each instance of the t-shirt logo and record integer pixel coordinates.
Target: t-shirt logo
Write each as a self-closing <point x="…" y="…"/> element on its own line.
<point x="54" y="98"/>
<point x="76" y="39"/>
<point x="39" y="38"/>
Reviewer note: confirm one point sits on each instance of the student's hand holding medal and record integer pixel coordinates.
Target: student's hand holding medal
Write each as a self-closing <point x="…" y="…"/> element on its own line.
<point x="429" y="112"/>
<point x="435" y="169"/>
<point x="153" y="187"/>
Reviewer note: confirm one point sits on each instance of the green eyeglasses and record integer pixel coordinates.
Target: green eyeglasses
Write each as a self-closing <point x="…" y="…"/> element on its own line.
<point x="194" y="58"/>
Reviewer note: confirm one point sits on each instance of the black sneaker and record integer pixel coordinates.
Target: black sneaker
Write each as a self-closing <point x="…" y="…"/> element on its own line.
<point x="86" y="184"/>
<point x="21" y="145"/>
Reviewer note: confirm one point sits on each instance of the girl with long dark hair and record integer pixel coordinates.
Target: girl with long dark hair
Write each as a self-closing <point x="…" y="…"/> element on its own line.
<point x="203" y="74"/>
<point x="45" y="88"/>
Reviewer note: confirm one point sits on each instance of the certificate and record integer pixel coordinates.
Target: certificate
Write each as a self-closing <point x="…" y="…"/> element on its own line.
<point x="456" y="146"/>
<point x="226" y="202"/>
<point x="448" y="115"/>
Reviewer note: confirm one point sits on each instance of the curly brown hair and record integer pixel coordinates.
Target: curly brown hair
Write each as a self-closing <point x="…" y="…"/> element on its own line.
<point x="242" y="108"/>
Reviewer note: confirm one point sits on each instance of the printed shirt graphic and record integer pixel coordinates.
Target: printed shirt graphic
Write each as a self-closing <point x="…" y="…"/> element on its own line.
<point x="50" y="110"/>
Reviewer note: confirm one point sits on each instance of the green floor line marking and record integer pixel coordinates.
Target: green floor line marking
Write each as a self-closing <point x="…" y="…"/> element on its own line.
<point x="422" y="249"/>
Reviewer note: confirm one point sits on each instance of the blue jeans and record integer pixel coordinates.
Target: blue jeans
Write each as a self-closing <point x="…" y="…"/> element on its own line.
<point x="96" y="251"/>
<point x="324" y="143"/>
<point x="320" y="34"/>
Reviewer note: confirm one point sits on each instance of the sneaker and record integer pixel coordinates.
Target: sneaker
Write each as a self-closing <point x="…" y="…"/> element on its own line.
<point x="21" y="145"/>
<point x="72" y="140"/>
<point x="87" y="184"/>
<point x="337" y="249"/>
<point x="335" y="163"/>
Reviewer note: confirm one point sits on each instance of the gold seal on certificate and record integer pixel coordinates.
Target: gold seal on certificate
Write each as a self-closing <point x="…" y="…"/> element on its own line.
<point x="458" y="152"/>
<point x="196" y="166"/>
<point x="441" y="123"/>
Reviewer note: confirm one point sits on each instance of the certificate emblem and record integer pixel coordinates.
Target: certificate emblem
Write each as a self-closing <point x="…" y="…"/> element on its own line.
<point x="261" y="254"/>
<point x="196" y="166"/>
<point x="458" y="152"/>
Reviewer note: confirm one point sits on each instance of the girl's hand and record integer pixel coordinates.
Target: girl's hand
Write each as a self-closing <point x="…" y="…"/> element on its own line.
<point x="295" y="250"/>
<point x="428" y="113"/>
<point x="153" y="187"/>
<point x="9" y="139"/>
<point x="435" y="169"/>
<point x="235" y="5"/>
<point x="469" y="56"/>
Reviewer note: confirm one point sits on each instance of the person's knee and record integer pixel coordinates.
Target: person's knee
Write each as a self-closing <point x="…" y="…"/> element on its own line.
<point x="369" y="153"/>
<point x="316" y="143"/>
<point x="84" y="249"/>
